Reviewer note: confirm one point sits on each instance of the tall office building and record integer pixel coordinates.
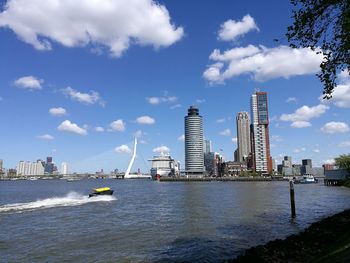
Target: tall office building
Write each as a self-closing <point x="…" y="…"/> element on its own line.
<point x="206" y="146"/>
<point x="243" y="136"/>
<point x="64" y="168"/>
<point x="307" y="162"/>
<point x="306" y="167"/>
<point x="194" y="156"/>
<point x="287" y="161"/>
<point x="261" y="159"/>
<point x="49" y="166"/>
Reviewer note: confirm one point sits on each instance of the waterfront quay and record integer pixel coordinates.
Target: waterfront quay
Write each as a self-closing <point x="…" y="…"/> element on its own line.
<point x="223" y="179"/>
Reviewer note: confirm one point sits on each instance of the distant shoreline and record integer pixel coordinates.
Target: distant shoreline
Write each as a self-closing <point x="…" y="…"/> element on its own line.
<point x="327" y="240"/>
<point x="222" y="179"/>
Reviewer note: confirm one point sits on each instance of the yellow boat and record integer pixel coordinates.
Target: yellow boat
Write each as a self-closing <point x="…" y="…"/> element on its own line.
<point x="101" y="191"/>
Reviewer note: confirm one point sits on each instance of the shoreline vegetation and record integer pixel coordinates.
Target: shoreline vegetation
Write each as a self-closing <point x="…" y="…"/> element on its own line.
<point x="327" y="240"/>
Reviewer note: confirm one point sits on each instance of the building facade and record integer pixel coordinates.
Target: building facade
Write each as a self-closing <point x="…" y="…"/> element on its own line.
<point x="30" y="168"/>
<point x="243" y="136"/>
<point x="64" y="168"/>
<point x="49" y="166"/>
<point x="194" y="156"/>
<point x="206" y="146"/>
<point x="261" y="159"/>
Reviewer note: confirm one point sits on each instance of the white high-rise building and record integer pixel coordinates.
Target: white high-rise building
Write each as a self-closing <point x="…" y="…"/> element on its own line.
<point x="64" y="168"/>
<point x="243" y="135"/>
<point x="194" y="156"/>
<point x="30" y="168"/>
<point x="262" y="161"/>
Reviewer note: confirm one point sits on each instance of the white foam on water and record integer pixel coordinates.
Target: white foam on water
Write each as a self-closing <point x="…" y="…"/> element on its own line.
<point x="71" y="199"/>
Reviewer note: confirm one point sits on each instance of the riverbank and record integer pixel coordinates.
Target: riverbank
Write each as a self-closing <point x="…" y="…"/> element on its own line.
<point x="224" y="179"/>
<point x="325" y="241"/>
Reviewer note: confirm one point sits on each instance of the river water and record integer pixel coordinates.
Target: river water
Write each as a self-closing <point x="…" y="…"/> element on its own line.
<point x="149" y="221"/>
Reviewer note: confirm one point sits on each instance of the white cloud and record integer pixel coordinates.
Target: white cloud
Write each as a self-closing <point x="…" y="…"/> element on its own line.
<point x="86" y="98"/>
<point x="276" y="138"/>
<point x="29" y="82"/>
<point x="316" y="150"/>
<point x="181" y="138"/>
<point x="68" y="126"/>
<point x="199" y="101"/>
<point x="234" y="140"/>
<point x="138" y="134"/>
<point x="175" y="106"/>
<point x="213" y="74"/>
<point x="291" y="99"/>
<point x="220" y="120"/>
<point x="335" y="127"/>
<point x="158" y="100"/>
<point x="341" y="93"/>
<point x="112" y="24"/>
<point x="46" y="137"/>
<point x="231" y="29"/>
<point x="58" y="111"/>
<point x="99" y="129"/>
<point x="262" y="63"/>
<point x="153" y="100"/>
<point x="161" y="149"/>
<point x="118" y="125"/>
<point x="226" y="132"/>
<point x="299" y="150"/>
<point x="300" y="118"/>
<point x="300" y="124"/>
<point x="329" y="161"/>
<point x="344" y="144"/>
<point x="122" y="149"/>
<point x="145" y="120"/>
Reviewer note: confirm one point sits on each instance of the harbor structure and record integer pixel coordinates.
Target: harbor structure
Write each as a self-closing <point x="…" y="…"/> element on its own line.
<point x="261" y="159"/>
<point x="243" y="136"/>
<point x="129" y="175"/>
<point x="194" y="156"/>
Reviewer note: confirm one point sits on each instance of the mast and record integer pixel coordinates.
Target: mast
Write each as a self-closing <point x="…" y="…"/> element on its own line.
<point x="132" y="160"/>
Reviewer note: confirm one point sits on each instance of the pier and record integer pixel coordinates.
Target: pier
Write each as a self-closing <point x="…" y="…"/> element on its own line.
<point x="336" y="177"/>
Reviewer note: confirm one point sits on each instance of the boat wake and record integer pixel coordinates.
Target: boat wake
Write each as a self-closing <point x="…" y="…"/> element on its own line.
<point x="71" y="199"/>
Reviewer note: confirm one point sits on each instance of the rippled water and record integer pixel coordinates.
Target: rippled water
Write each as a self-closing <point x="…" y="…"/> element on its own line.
<point x="148" y="221"/>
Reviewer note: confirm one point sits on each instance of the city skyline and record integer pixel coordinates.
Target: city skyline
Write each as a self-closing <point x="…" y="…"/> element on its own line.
<point x="82" y="100"/>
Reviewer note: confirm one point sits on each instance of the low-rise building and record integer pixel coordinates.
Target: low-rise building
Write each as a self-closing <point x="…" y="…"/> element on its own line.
<point x="234" y="168"/>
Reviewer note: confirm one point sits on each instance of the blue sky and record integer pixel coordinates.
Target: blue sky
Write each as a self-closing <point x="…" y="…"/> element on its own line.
<point x="78" y="81"/>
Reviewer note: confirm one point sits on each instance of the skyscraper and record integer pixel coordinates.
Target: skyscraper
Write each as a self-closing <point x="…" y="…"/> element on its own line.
<point x="194" y="157"/>
<point x="243" y="136"/>
<point x="261" y="159"/>
<point x="64" y="168"/>
<point x="206" y="146"/>
<point x="49" y="166"/>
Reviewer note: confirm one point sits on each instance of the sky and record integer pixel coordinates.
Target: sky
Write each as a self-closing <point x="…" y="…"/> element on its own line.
<point x="80" y="79"/>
